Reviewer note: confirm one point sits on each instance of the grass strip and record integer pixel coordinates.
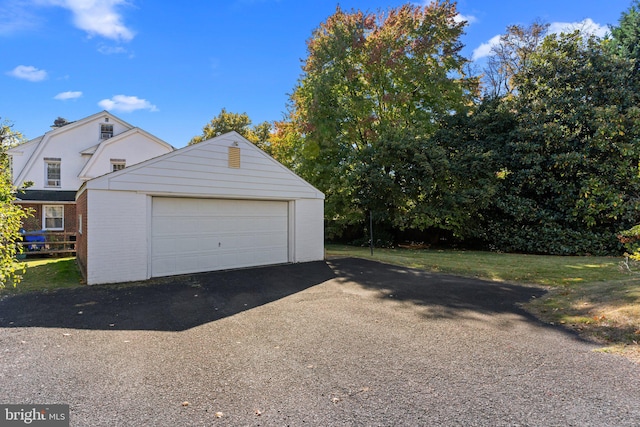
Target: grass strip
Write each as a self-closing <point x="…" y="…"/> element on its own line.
<point x="47" y="274"/>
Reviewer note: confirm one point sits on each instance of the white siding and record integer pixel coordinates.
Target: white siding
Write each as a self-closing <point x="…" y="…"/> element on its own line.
<point x="117" y="248"/>
<point x="191" y="180"/>
<point x="66" y="143"/>
<point x="309" y="230"/>
<point x="20" y="155"/>
<point x="202" y="170"/>
<point x="134" y="146"/>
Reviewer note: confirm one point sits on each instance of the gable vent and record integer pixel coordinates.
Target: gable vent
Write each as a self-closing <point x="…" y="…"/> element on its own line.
<point x="234" y="157"/>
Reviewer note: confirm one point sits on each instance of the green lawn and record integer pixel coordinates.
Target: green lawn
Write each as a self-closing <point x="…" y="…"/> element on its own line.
<point x="44" y="274"/>
<point x="527" y="269"/>
<point x="590" y="295"/>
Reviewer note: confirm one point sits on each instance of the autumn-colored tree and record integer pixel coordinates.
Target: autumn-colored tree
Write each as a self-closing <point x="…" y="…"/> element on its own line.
<point x="375" y="87"/>
<point x="285" y="145"/>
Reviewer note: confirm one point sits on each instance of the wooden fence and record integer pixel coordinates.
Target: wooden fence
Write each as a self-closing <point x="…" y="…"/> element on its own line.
<point x="48" y="242"/>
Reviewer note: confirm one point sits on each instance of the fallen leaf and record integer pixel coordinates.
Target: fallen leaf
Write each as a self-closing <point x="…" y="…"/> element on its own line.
<point x="219" y="415"/>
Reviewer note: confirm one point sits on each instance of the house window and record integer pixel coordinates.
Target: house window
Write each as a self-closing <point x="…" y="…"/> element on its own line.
<point x="52" y="172"/>
<point x="53" y="217"/>
<point x="106" y="131"/>
<point x="118" y="164"/>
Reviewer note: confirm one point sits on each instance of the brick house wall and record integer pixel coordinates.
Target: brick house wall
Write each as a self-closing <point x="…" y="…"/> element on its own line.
<point x="82" y="233"/>
<point x="34" y="221"/>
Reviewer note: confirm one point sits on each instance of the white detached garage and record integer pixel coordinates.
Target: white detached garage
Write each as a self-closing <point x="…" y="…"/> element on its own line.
<point x="220" y="204"/>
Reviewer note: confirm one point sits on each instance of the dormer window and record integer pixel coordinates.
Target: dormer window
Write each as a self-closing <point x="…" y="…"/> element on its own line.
<point x="118" y="164"/>
<point x="52" y="171"/>
<point x="106" y="131"/>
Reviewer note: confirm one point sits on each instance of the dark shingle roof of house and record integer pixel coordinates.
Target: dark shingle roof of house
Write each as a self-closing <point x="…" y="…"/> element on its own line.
<point x="46" y="196"/>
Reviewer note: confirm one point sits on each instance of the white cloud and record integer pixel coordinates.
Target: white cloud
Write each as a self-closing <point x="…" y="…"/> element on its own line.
<point x="587" y="26"/>
<point x="485" y="48"/>
<point x="63" y="96"/>
<point x="126" y="104"/>
<point x="28" y="72"/>
<point x="97" y="17"/>
<point x="470" y="19"/>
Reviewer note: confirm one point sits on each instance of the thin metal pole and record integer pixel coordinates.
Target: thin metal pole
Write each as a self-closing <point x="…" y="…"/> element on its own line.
<point x="371" y="231"/>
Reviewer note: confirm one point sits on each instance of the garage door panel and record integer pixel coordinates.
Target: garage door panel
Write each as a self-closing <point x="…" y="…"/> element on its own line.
<point x="193" y="235"/>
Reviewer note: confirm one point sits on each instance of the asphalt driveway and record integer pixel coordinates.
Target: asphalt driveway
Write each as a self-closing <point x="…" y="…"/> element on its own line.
<point x="347" y="342"/>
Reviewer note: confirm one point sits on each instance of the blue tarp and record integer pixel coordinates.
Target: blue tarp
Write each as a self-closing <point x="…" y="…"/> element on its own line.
<point x="35" y="239"/>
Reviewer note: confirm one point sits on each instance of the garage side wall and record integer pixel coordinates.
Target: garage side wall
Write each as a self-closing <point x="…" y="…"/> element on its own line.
<point x="82" y="235"/>
<point x="309" y="230"/>
<point x="118" y="249"/>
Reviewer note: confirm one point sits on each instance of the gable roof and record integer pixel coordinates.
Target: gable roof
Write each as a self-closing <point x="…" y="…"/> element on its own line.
<point x="44" y="139"/>
<point x="97" y="150"/>
<point x="202" y="170"/>
<point x="20" y="148"/>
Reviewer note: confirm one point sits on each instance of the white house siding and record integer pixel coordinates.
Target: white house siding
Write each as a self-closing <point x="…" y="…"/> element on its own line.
<point x="21" y="154"/>
<point x="117" y="248"/>
<point x="202" y="170"/>
<point x="309" y="230"/>
<point x="198" y="172"/>
<point x="82" y="152"/>
<point x="133" y="146"/>
<point x="66" y="143"/>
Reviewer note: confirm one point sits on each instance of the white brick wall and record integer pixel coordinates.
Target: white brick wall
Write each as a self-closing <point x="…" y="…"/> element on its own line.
<point x="117" y="245"/>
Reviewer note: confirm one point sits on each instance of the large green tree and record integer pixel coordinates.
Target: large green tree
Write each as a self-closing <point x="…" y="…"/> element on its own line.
<point x="571" y="164"/>
<point x="226" y="122"/>
<point x="625" y="37"/>
<point x="474" y="145"/>
<point x="375" y="87"/>
<point x="11" y="215"/>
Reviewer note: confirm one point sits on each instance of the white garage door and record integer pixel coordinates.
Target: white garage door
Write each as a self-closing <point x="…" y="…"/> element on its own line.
<point x="195" y="235"/>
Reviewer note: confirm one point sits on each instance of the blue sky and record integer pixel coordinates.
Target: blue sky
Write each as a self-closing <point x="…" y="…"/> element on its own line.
<point x="169" y="67"/>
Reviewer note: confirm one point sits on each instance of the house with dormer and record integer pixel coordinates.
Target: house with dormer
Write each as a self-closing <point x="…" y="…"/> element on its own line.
<point x="60" y="161"/>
